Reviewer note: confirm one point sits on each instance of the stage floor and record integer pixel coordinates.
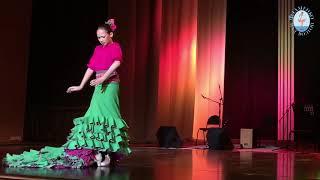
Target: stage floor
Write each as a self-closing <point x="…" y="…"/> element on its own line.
<point x="151" y="163"/>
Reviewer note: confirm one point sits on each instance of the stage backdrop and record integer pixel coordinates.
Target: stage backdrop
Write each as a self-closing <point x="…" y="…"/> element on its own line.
<point x="174" y="52"/>
<point x="251" y="67"/>
<point x="306" y="72"/>
<point x="15" y="17"/>
<point x="210" y="62"/>
<point x="63" y="37"/>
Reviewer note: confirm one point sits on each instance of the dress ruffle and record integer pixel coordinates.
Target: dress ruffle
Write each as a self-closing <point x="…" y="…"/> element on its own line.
<point x="47" y="157"/>
<point x="100" y="133"/>
<point x="100" y="129"/>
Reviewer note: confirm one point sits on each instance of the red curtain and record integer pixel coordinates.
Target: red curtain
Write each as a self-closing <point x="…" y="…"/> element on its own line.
<point x="164" y="72"/>
<point x="177" y="65"/>
<point x="210" y="60"/>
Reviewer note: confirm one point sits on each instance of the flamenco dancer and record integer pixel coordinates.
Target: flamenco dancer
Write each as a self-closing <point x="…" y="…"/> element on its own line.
<point x="100" y="136"/>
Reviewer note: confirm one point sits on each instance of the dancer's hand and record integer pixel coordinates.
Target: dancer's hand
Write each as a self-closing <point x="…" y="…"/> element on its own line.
<point x="96" y="82"/>
<point x="73" y="89"/>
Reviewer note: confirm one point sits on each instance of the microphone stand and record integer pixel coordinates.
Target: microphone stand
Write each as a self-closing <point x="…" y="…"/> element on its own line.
<point x="220" y="102"/>
<point x="287" y="131"/>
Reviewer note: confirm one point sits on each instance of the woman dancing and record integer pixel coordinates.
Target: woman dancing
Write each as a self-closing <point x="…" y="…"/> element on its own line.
<point x="101" y="134"/>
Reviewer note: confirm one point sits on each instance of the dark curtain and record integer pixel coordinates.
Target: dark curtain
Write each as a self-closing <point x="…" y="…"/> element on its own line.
<point x="251" y="67"/>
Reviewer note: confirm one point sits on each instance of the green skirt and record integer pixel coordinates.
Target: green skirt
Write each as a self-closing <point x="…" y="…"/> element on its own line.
<point x="100" y="129"/>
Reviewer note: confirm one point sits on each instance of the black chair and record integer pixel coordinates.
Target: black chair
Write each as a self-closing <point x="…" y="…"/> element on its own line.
<point x="307" y="123"/>
<point x="213" y="120"/>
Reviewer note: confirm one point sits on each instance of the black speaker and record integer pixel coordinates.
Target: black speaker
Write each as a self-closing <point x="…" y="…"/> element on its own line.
<point x="168" y="137"/>
<point x="218" y="139"/>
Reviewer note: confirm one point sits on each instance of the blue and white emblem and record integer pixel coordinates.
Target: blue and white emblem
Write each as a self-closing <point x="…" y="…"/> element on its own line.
<point x="301" y="20"/>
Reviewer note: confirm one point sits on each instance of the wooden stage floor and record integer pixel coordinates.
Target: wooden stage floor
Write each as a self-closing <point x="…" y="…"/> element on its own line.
<point x="152" y="163"/>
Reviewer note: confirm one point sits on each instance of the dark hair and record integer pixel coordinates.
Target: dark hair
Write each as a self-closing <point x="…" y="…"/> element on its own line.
<point x="105" y="27"/>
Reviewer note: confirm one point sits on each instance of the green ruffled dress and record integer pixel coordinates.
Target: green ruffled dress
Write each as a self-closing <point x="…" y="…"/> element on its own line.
<point x="100" y="129"/>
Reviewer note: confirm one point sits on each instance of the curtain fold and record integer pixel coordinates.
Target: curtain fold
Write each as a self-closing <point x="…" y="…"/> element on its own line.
<point x="210" y="64"/>
<point x="164" y="71"/>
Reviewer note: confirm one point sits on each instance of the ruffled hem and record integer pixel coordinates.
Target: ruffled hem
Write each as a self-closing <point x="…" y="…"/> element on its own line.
<point x="47" y="157"/>
<point x="99" y="133"/>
